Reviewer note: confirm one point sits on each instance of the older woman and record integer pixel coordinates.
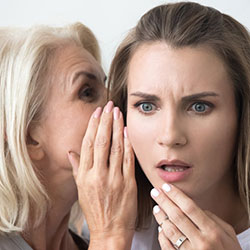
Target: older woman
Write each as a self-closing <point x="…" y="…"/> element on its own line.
<point x="50" y="84"/>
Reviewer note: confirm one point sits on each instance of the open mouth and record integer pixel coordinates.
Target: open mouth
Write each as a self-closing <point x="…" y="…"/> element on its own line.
<point x="174" y="168"/>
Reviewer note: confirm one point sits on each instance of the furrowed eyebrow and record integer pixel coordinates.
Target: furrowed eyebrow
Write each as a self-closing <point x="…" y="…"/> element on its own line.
<point x="198" y="95"/>
<point x="185" y="99"/>
<point x="146" y="96"/>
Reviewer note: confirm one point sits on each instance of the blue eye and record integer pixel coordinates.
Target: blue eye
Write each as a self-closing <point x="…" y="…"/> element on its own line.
<point x="146" y="107"/>
<point x="200" y="107"/>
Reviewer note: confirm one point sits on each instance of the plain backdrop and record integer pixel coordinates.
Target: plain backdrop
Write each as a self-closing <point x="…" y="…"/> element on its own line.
<point x="110" y="20"/>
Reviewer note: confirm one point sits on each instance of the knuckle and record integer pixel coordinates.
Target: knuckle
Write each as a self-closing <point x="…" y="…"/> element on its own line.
<point x="204" y="246"/>
<point x="177" y="217"/>
<point x="116" y="149"/>
<point x="129" y="159"/>
<point x="189" y="208"/>
<point x="87" y="142"/>
<point x="101" y="142"/>
<point x="209" y="240"/>
<point x="171" y="232"/>
<point x="117" y="185"/>
<point x="163" y="241"/>
<point x="214" y="235"/>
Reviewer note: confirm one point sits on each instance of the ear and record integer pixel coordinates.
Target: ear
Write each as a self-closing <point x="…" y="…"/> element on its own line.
<point x="34" y="145"/>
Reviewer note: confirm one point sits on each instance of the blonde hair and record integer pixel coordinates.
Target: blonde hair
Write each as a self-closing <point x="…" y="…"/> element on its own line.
<point x="24" y="60"/>
<point x="191" y="24"/>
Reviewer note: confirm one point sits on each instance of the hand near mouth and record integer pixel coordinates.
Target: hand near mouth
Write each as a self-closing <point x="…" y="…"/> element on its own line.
<point x="182" y="222"/>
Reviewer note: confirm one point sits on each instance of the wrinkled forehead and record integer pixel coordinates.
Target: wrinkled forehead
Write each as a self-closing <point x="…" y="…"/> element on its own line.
<point x="67" y="60"/>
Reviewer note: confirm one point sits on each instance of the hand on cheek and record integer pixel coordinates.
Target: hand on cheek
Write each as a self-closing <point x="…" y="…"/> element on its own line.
<point x="105" y="179"/>
<point x="183" y="223"/>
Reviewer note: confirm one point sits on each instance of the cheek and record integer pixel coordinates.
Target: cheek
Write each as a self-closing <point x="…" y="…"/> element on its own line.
<point x="215" y="144"/>
<point x="65" y="133"/>
<point x="141" y="135"/>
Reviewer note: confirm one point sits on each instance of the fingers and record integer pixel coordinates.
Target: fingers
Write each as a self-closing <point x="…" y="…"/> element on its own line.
<point x="87" y="150"/>
<point x="105" y="149"/>
<point x="128" y="158"/>
<point x="74" y="160"/>
<point x="186" y="205"/>
<point x="166" y="227"/>
<point x="164" y="242"/>
<point x="193" y="226"/>
<point x="175" y="213"/>
<point x="116" y="151"/>
<point x="103" y="139"/>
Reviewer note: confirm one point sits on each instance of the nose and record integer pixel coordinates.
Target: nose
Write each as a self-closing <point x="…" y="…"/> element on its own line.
<point x="172" y="131"/>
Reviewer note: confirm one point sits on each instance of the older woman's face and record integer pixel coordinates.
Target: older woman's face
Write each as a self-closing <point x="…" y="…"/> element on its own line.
<point x="76" y="88"/>
<point x="181" y="118"/>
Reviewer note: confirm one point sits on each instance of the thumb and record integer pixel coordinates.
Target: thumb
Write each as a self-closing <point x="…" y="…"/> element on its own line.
<point x="74" y="160"/>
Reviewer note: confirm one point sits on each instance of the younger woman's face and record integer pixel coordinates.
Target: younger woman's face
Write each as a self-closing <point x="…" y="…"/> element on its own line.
<point x="182" y="118"/>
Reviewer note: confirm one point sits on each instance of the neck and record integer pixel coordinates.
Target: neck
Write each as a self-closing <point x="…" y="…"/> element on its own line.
<point x="52" y="233"/>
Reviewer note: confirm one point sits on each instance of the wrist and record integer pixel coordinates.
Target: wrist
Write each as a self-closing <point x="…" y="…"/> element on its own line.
<point x="104" y="241"/>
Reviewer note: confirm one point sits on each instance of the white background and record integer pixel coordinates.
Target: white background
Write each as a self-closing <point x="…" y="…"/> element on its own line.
<point x="109" y="20"/>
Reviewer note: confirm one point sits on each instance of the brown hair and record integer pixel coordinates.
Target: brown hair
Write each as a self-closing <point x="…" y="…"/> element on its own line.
<point x="191" y="24"/>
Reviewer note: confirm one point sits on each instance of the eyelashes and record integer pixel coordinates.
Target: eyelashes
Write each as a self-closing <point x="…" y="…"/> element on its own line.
<point x="196" y="107"/>
<point x="201" y="107"/>
<point x="87" y="93"/>
<point x="145" y="107"/>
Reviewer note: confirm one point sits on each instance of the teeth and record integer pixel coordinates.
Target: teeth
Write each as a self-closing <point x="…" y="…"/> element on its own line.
<point x="175" y="169"/>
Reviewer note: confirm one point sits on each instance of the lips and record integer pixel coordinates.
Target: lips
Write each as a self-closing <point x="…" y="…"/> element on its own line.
<point x="174" y="170"/>
<point x="173" y="165"/>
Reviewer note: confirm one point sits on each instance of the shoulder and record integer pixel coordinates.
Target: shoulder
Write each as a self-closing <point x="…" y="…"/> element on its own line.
<point x="244" y="239"/>
<point x="13" y="242"/>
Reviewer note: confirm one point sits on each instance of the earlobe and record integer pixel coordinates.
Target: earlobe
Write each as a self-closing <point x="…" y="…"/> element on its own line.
<point x="35" y="148"/>
<point x="36" y="152"/>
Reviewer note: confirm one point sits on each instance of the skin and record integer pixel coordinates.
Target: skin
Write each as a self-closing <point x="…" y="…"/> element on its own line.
<point x="200" y="131"/>
<point x="106" y="182"/>
<point x="76" y="83"/>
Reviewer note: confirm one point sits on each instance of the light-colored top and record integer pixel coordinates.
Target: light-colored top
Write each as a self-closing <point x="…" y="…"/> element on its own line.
<point x="244" y="239"/>
<point x="16" y="242"/>
<point x="13" y="242"/>
<point x="148" y="239"/>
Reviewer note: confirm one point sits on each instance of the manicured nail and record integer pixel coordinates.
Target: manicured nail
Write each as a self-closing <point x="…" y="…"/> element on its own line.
<point x="125" y="132"/>
<point x="166" y="187"/>
<point x="109" y="107"/>
<point x="159" y="229"/>
<point x="116" y="113"/>
<point x="98" y="112"/>
<point x="154" y="192"/>
<point x="156" y="209"/>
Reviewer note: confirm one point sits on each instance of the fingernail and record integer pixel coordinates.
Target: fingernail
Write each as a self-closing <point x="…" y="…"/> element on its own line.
<point x="116" y="113"/>
<point x="108" y="107"/>
<point x="154" y="192"/>
<point x="98" y="112"/>
<point x="125" y="132"/>
<point x="159" y="229"/>
<point x="166" y="187"/>
<point x="156" y="209"/>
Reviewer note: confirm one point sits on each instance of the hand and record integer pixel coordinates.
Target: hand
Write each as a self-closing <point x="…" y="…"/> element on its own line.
<point x="104" y="176"/>
<point x="180" y="218"/>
